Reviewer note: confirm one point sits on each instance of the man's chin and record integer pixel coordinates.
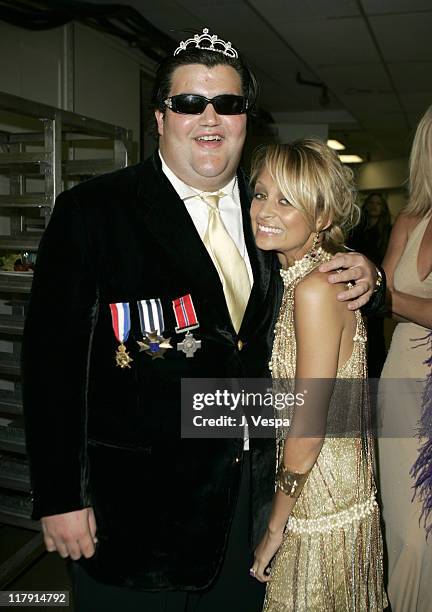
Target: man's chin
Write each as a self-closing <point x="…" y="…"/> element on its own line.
<point x="214" y="171"/>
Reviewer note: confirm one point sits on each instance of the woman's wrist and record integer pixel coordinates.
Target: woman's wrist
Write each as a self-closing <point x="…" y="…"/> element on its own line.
<point x="275" y="529"/>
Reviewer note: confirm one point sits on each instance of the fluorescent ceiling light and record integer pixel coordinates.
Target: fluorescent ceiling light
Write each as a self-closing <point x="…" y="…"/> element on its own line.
<point x="351" y="159"/>
<point x="336" y="145"/>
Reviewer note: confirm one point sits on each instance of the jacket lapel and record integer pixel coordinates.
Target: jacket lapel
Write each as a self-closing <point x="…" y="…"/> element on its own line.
<point x="261" y="261"/>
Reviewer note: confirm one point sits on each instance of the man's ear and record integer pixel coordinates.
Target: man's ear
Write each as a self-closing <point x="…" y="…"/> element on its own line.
<point x="159" y="115"/>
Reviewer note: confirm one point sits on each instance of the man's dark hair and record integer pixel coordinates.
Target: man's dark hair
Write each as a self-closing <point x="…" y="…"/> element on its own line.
<point x="162" y="84"/>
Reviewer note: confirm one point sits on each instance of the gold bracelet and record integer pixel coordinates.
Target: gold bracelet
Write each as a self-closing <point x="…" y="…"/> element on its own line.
<point x="379" y="280"/>
<point x="290" y="483"/>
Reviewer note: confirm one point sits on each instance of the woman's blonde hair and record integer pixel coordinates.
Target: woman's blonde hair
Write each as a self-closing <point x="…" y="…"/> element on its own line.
<point x="420" y="168"/>
<point x="313" y="179"/>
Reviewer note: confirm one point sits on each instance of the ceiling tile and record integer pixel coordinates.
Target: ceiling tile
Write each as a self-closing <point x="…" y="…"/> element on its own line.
<point x="396" y="142"/>
<point x="179" y="22"/>
<point x="222" y="4"/>
<point x="412" y="76"/>
<point x="353" y="78"/>
<point x="372" y="103"/>
<point x="243" y="38"/>
<point x="404" y="37"/>
<point x="386" y="122"/>
<point x="414" y="117"/>
<point x="305" y="10"/>
<point x="416" y="102"/>
<point x="345" y="41"/>
<point x="395" y="6"/>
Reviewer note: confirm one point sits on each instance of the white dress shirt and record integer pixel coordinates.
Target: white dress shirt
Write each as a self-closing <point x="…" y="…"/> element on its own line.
<point x="229" y="207"/>
<point x="231" y="215"/>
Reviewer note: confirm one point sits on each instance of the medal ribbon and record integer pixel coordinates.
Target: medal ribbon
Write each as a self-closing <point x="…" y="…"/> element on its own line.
<point x="120" y="315"/>
<point x="184" y="313"/>
<point x="151" y="316"/>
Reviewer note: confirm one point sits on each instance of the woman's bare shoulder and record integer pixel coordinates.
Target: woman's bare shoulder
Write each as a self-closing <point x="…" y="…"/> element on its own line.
<point x="404" y="224"/>
<point x="316" y="284"/>
<point x="316" y="291"/>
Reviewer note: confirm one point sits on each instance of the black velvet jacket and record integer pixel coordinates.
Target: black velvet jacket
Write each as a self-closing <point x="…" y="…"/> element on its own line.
<point x="108" y="437"/>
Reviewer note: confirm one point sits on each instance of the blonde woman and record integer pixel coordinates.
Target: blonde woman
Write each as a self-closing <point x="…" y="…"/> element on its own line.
<point x="408" y="267"/>
<point x="323" y="530"/>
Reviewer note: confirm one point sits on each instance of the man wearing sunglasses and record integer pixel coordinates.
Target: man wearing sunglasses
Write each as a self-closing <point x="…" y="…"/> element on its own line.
<point x="157" y="522"/>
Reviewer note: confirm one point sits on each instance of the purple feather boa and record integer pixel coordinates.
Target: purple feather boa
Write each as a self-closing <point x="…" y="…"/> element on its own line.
<point x="422" y="468"/>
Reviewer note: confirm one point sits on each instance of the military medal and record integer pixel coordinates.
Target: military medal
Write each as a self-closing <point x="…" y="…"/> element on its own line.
<point x="120" y="316"/>
<point x="154" y="345"/>
<point x="122" y="357"/>
<point x="152" y="326"/>
<point x="189" y="345"/>
<point x="186" y="319"/>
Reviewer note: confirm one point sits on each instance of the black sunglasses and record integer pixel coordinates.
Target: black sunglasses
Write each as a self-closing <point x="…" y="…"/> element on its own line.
<point x="194" y="104"/>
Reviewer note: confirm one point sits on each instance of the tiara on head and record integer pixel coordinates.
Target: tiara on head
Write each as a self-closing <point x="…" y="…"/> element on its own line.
<point x="207" y="42"/>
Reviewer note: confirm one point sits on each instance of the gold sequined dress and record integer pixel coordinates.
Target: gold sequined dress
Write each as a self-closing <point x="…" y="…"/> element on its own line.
<point x="331" y="555"/>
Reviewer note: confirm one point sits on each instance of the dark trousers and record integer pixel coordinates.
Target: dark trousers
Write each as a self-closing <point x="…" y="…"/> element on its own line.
<point x="233" y="591"/>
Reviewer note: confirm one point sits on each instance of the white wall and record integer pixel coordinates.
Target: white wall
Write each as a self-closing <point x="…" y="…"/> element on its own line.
<point x="106" y="80"/>
<point x="389" y="177"/>
<point x="31" y="63"/>
<point x="75" y="68"/>
<point x="388" y="174"/>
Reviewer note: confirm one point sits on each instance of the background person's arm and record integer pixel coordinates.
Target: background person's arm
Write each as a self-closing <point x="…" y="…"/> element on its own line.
<point x="407" y="307"/>
<point x="355" y="268"/>
<point x="403" y="306"/>
<point x="397" y="243"/>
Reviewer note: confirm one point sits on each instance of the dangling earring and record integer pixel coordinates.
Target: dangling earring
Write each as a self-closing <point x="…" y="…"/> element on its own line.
<point x="314" y="243"/>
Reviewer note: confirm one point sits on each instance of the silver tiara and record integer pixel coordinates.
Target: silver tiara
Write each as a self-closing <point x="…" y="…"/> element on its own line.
<point x="211" y="43"/>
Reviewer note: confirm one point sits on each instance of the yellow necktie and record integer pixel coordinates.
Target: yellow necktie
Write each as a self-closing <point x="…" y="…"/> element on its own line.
<point x="228" y="261"/>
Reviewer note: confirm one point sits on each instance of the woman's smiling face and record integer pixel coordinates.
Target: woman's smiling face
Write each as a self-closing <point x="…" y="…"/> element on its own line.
<point x="277" y="224"/>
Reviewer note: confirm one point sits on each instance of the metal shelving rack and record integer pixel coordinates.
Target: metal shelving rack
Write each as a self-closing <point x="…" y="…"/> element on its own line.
<point x="42" y="151"/>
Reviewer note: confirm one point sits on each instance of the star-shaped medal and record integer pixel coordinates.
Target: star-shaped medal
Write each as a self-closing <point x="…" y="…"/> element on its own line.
<point x="154" y="345"/>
